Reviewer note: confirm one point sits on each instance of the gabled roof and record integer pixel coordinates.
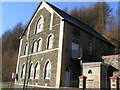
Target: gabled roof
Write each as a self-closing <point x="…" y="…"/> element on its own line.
<point x="72" y="20"/>
<point x="78" y="23"/>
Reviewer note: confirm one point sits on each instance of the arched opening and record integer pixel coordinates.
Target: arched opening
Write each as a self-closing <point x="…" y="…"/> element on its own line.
<point x="75" y="49"/>
<point x="90" y="72"/>
<point x="31" y="71"/>
<point x="34" y="47"/>
<point x="39" y="45"/>
<point x="37" y="71"/>
<point x="47" y="72"/>
<point x="26" y="49"/>
<point x="50" y="42"/>
<point x="23" y="72"/>
<point x="39" y="26"/>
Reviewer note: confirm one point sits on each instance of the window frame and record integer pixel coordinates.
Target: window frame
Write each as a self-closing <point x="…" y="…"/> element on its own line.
<point x="26" y="49"/>
<point x="39" y="45"/>
<point x="23" y="71"/>
<point x="48" y="41"/>
<point x="33" y="46"/>
<point x="31" y="71"/>
<point x="42" y="24"/>
<point x="77" y="42"/>
<point x="47" y="73"/>
<point x="36" y="76"/>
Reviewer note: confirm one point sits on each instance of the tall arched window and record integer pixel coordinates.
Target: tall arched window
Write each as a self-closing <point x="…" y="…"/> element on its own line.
<point x="23" y="72"/>
<point x="26" y="49"/>
<point x="34" y="47"/>
<point x="31" y="71"/>
<point x="39" y="26"/>
<point x="75" y="49"/>
<point x="37" y="71"/>
<point x="39" y="45"/>
<point x="47" y="71"/>
<point x="50" y="42"/>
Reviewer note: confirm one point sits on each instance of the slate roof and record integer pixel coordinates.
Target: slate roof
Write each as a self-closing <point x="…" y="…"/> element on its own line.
<point x="72" y="20"/>
<point x="78" y="23"/>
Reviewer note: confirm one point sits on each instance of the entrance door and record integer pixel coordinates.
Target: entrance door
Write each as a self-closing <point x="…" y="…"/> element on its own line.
<point x="67" y="77"/>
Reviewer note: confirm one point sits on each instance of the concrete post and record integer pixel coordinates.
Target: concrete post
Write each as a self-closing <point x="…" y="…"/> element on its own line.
<point x="82" y="82"/>
<point x="114" y="83"/>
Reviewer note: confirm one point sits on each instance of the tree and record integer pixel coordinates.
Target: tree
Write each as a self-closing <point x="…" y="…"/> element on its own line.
<point x="10" y="45"/>
<point x="99" y="16"/>
<point x="95" y="16"/>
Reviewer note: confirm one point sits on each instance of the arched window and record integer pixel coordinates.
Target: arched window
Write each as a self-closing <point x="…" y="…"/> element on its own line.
<point x="75" y="49"/>
<point x="47" y="70"/>
<point x="34" y="47"/>
<point x="39" y="45"/>
<point x="23" y="72"/>
<point x="31" y="71"/>
<point x="90" y="72"/>
<point x="50" y="42"/>
<point x="37" y="71"/>
<point x="26" y="49"/>
<point x="39" y="26"/>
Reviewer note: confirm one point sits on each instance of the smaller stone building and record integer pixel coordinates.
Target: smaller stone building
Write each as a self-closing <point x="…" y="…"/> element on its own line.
<point x="95" y="73"/>
<point x="102" y="75"/>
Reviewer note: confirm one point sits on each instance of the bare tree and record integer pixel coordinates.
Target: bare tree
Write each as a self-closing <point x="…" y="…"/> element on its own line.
<point x="10" y="45"/>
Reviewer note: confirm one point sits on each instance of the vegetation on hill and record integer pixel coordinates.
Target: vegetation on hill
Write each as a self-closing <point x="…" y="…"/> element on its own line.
<point x="10" y="45"/>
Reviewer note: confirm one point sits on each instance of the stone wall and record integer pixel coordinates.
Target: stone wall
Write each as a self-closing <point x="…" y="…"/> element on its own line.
<point x="45" y="54"/>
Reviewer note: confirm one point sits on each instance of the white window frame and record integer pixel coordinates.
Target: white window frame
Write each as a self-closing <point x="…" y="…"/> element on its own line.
<point x="34" y="47"/>
<point x="37" y="71"/>
<point x="23" y="71"/>
<point x="47" y="72"/>
<point x="26" y="49"/>
<point x="39" y="48"/>
<point x="31" y="71"/>
<point x="50" y="42"/>
<point x="39" y="25"/>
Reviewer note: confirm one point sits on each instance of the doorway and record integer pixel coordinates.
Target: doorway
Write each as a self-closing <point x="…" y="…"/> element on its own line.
<point x="67" y="77"/>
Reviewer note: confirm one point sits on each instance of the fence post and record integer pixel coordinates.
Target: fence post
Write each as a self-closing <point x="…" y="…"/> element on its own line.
<point x="114" y="83"/>
<point x="82" y="82"/>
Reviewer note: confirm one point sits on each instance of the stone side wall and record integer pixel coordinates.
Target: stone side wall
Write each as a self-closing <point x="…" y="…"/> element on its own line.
<point x="44" y="55"/>
<point x="99" y="47"/>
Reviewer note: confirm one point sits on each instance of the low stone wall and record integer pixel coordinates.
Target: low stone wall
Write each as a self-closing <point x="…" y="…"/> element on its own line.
<point x="7" y="85"/>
